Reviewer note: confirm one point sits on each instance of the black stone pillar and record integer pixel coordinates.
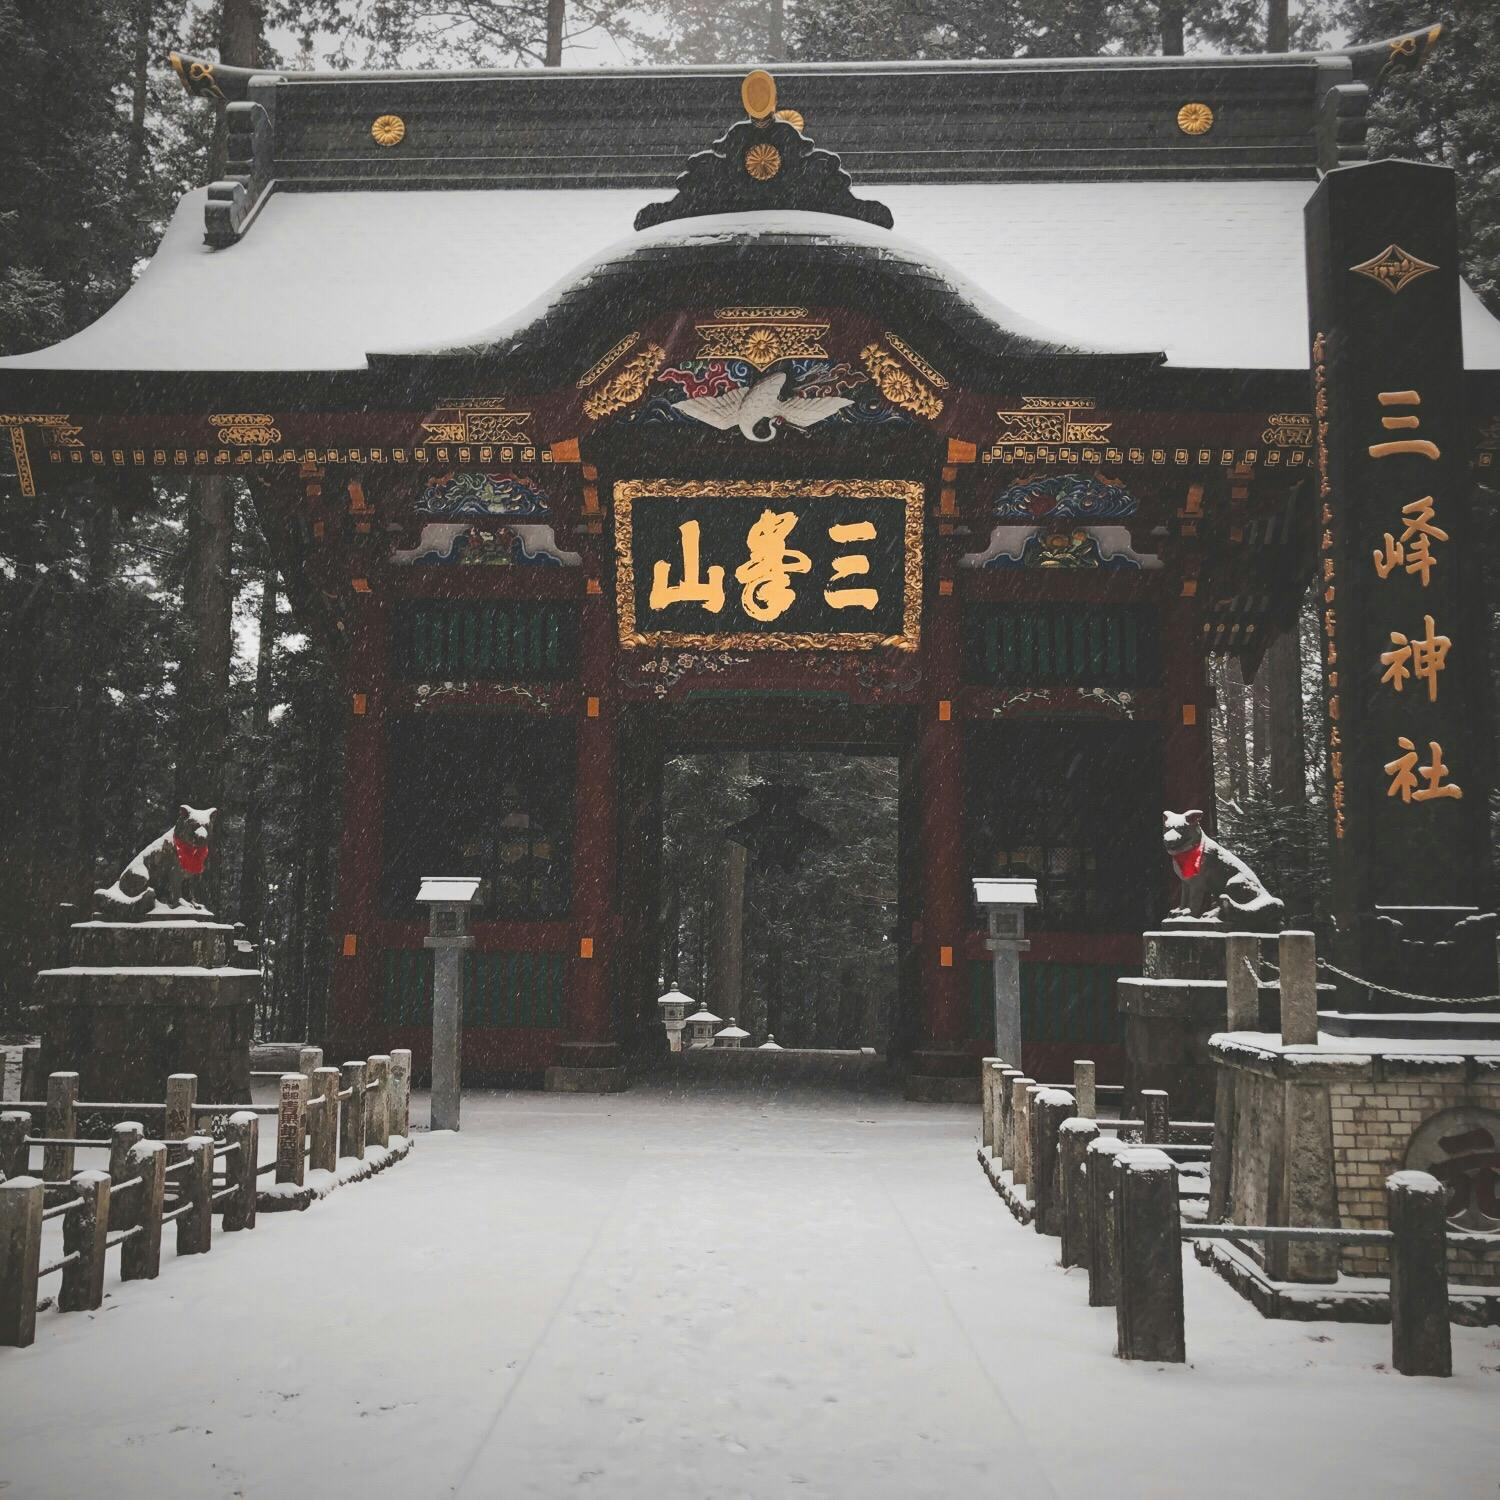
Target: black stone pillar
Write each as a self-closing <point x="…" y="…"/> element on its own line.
<point x="1403" y="629"/>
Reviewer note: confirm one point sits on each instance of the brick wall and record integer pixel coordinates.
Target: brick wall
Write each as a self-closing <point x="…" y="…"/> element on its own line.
<point x="1373" y="1123"/>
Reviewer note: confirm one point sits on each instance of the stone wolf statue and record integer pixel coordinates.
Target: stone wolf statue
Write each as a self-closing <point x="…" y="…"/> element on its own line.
<point x="158" y="875"/>
<point x="1217" y="885"/>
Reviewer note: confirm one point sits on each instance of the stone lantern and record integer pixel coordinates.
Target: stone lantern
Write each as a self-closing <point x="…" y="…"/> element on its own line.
<point x="674" y="1010"/>
<point x="1004" y="901"/>
<point x="699" y="1028"/>
<point x="731" y="1035"/>
<point x="447" y="899"/>
<point x="770" y="1044"/>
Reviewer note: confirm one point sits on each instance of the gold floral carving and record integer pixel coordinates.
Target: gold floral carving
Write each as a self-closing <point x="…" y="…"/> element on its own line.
<point x="594" y="371"/>
<point x="628" y="491"/>
<point x="1195" y="119"/>
<point x="248" y="428"/>
<point x="1394" y="268"/>
<point x="1051" y="419"/>
<point x="760" y="314"/>
<point x="388" y="130"/>
<point x="477" y="419"/>
<point x="793" y="118"/>
<point x="1288" y="429"/>
<point x="916" y="361"/>
<point x="763" y="162"/>
<point x="896" y="385"/>
<point x="628" y="386"/>
<point x="762" y="344"/>
<point x="61" y="432"/>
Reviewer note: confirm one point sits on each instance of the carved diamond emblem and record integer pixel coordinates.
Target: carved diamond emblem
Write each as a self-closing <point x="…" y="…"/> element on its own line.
<point x="1394" y="268"/>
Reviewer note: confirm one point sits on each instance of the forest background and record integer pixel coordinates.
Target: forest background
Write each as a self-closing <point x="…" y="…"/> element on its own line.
<point x="147" y="655"/>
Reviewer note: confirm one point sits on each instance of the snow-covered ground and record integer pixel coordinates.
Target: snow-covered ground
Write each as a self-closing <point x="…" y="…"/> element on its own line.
<point x="708" y="1297"/>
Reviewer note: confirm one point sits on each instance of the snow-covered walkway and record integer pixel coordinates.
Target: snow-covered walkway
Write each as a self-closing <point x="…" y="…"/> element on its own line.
<point x="700" y="1299"/>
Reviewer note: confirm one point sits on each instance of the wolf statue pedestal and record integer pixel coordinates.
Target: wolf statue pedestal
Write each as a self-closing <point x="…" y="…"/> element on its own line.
<point x="151" y="986"/>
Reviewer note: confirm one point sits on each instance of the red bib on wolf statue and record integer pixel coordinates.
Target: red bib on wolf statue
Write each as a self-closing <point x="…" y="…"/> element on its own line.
<point x="192" y="857"/>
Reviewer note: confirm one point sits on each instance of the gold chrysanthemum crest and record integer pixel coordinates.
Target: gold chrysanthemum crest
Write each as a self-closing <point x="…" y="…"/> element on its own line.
<point x="1195" y="118"/>
<point x="763" y="162"/>
<point x="897" y="386"/>
<point x="388" y="130"/>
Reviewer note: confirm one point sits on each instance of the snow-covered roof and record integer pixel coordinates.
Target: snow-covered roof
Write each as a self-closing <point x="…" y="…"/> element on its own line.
<point x="731" y="1030"/>
<point x="1210" y="271"/>
<point x="705" y="1014"/>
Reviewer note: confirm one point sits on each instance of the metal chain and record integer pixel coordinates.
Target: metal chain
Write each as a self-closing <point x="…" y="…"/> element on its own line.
<point x="1384" y="989"/>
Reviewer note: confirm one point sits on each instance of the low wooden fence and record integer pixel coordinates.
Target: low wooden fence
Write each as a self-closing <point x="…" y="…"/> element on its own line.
<point x="184" y="1179"/>
<point x="1115" y="1204"/>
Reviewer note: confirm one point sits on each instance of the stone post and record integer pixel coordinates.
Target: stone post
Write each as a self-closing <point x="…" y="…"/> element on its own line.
<point x="140" y="1255"/>
<point x="20" y="1258"/>
<point x="195" y="1229"/>
<point x="1085" y="1099"/>
<point x="1004" y="1129"/>
<point x="1099" y="1162"/>
<point x="1242" y="981"/>
<point x="401" y="1092"/>
<point x="62" y="1105"/>
<point x="309" y="1060"/>
<point x="1156" y="1112"/>
<point x="291" y="1128"/>
<point x="323" y="1129"/>
<point x="378" y="1112"/>
<point x="1073" y="1141"/>
<point x="352" y="1116"/>
<point x="123" y="1139"/>
<point x="1303" y="1190"/>
<point x="15" y="1126"/>
<point x="987" y="1102"/>
<point x="243" y="1132"/>
<point x="84" y="1231"/>
<point x="1421" y="1343"/>
<point x="1297" y="957"/>
<point x="1049" y="1109"/>
<point x="1021" y="1090"/>
<point x="182" y="1094"/>
<point x="1148" y="1291"/>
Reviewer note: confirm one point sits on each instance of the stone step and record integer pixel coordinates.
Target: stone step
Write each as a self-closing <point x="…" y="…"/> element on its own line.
<point x="1457" y="1026"/>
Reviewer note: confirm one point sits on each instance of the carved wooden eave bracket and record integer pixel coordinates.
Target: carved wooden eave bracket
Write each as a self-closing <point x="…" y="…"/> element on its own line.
<point x="764" y="163"/>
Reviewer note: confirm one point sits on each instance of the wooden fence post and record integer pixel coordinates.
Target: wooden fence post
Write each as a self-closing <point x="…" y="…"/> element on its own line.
<point x="1099" y="1161"/>
<point x="62" y="1118"/>
<point x="1148" y="1289"/>
<point x="140" y="1255"/>
<point x="20" y="1258"/>
<point x="1156" y="1112"/>
<point x="1021" y="1090"/>
<point x="401" y="1092"/>
<point x="1074" y="1137"/>
<point x="195" y="1230"/>
<point x="323" y="1129"/>
<point x="15" y="1126"/>
<point x="123" y="1139"/>
<point x="378" y="1113"/>
<point x="309" y="1059"/>
<point x="291" y="1128"/>
<point x="1048" y="1110"/>
<point x="1085" y="1102"/>
<point x="243" y="1132"/>
<point x="84" y="1232"/>
<point x="987" y="1066"/>
<point x="352" y="1117"/>
<point x="1416" y="1210"/>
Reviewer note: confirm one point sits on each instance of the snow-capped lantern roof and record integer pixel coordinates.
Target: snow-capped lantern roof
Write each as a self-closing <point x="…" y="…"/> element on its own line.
<point x="731" y="1032"/>
<point x="703" y="1013"/>
<point x="675" y="996"/>
<point x="770" y="1044"/>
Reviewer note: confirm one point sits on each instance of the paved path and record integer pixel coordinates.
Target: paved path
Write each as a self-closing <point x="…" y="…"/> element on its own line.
<point x="714" y="1297"/>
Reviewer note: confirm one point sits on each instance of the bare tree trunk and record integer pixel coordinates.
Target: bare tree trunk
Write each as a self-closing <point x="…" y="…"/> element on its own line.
<point x="1260" y="728"/>
<point x="1233" y="684"/>
<point x="94" y="653"/>
<point x="728" y="957"/>
<point x="776" y="31"/>
<point x="135" y="161"/>
<point x="317" y="940"/>
<point x="1173" y="37"/>
<point x="557" y="12"/>
<point x="1278" y="25"/>
<point x="252" y="867"/>
<point x="1283" y="669"/>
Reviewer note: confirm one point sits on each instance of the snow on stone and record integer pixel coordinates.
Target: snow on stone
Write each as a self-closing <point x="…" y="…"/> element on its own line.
<point x="1211" y="272"/>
